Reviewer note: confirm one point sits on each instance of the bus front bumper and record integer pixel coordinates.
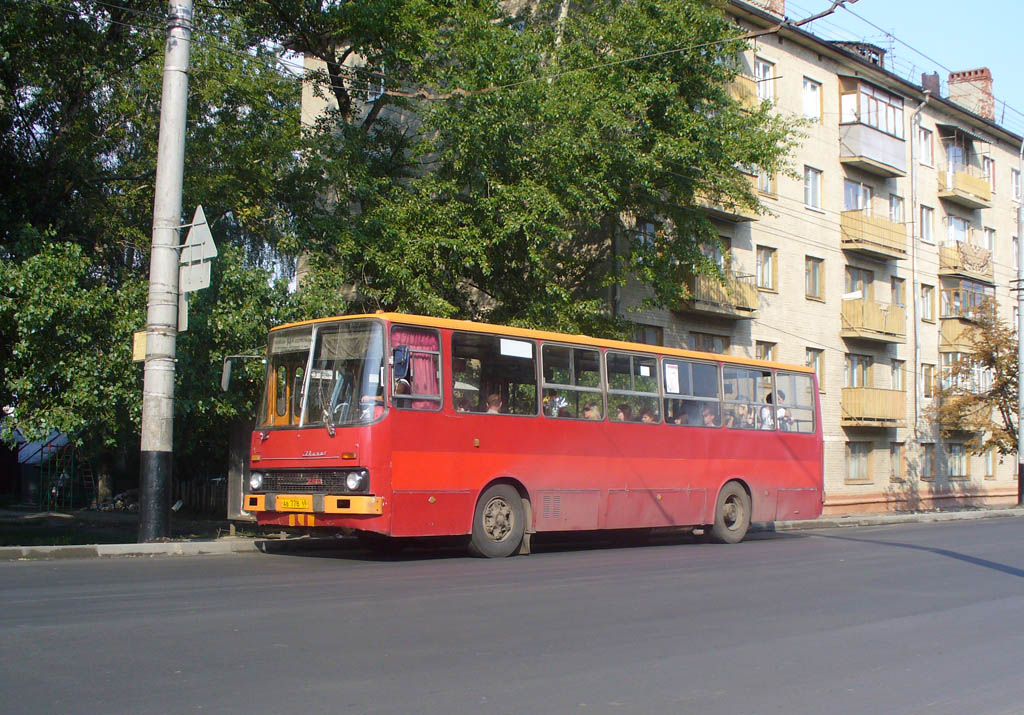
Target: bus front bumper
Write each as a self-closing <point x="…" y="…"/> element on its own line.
<point x="315" y="503"/>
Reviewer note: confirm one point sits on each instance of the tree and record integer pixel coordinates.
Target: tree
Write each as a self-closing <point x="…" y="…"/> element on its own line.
<point x="78" y="144"/>
<point x="501" y="173"/>
<point x="977" y="398"/>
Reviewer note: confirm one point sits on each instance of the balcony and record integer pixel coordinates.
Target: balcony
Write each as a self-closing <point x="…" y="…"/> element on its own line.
<point x="872" y="235"/>
<point x="729" y="212"/>
<point x="955" y="335"/>
<point x="743" y="89"/>
<point x="736" y="299"/>
<point x="871" y="320"/>
<point x="966" y="260"/>
<point x="873" y="407"/>
<point x="872" y="150"/>
<point x="964" y="184"/>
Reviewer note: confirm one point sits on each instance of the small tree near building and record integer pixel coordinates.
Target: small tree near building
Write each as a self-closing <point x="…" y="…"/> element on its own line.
<point x="977" y="395"/>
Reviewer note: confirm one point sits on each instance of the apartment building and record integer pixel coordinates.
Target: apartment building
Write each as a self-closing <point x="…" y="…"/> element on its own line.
<point x="867" y="263"/>
<point x="900" y="216"/>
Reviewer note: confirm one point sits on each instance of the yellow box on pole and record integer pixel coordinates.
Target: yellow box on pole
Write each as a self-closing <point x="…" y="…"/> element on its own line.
<point x="139" y="346"/>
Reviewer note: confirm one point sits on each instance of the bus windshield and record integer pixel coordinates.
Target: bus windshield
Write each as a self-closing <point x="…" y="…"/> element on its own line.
<point x="344" y="384"/>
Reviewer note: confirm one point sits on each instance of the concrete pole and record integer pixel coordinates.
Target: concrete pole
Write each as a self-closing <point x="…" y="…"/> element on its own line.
<point x="1020" y="324"/>
<point x="162" y="308"/>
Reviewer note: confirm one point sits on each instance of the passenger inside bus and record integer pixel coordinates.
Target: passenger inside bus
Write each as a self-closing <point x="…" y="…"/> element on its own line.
<point x="494" y="404"/>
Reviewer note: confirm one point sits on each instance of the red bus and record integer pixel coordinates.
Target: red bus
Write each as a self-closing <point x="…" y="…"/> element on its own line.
<point x="402" y="425"/>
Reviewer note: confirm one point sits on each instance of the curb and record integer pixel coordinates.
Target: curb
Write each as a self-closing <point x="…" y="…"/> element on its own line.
<point x="277" y="546"/>
<point x="166" y="548"/>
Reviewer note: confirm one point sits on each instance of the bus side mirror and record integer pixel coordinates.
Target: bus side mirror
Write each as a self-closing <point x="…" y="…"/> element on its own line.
<point x="400" y="362"/>
<point x="225" y="374"/>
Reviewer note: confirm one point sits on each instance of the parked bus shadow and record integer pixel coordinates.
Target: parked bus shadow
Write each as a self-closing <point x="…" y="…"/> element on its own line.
<point x="424" y="549"/>
<point x="973" y="560"/>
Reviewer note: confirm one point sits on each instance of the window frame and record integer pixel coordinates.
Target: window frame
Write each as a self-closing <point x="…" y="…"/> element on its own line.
<point x="897" y="465"/>
<point x="609" y="390"/>
<point x="598" y="391"/>
<point x="927" y="303"/>
<point x="771" y="270"/>
<point x="926" y="139"/>
<point x="765" y="79"/>
<point x="818" y="94"/>
<point x="399" y="401"/>
<point x="815" y="358"/>
<point x="812" y="187"/>
<point x="814" y="275"/>
<point x="926" y="216"/>
<point x="859" y="452"/>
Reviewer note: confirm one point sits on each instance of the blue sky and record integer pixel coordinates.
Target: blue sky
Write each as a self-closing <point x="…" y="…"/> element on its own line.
<point x="937" y="35"/>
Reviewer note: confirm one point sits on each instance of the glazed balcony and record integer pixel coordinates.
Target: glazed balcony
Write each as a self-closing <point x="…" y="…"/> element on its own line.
<point x="873" y="407"/>
<point x="736" y="299"/>
<point x="966" y="260"/>
<point x="965" y="185"/>
<point x="872" y="235"/>
<point x="872" y="150"/>
<point x="870" y="320"/>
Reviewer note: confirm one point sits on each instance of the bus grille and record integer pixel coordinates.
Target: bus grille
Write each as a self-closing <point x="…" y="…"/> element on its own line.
<point x="302" y="482"/>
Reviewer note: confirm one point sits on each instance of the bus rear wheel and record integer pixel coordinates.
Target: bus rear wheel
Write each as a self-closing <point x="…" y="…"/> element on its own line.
<point x="499" y="522"/>
<point x="732" y="514"/>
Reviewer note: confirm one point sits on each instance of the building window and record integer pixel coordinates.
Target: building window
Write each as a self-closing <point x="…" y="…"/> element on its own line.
<point x="927" y="224"/>
<point x="815" y="357"/>
<point x="858" y="461"/>
<point x="857" y="197"/>
<point x="928" y="461"/>
<point x="812" y="187"/>
<point x="895" y="208"/>
<point x="645" y="234"/>
<point x="927" y="380"/>
<point x="957" y="462"/>
<point x="924" y="146"/>
<point x="766" y="268"/>
<point x="649" y="334"/>
<point x="812" y="99"/>
<point x="898" y="291"/>
<point x="764" y="75"/>
<point x="1015" y="184"/>
<point x="927" y="303"/>
<point x="958" y="231"/>
<point x="1016" y="255"/>
<point x="814" y="286"/>
<point x="858" y="370"/>
<point x="963" y="298"/>
<point x="764" y="350"/>
<point x="859" y="280"/>
<point x="896" y="374"/>
<point x="988" y="170"/>
<point x="766" y="183"/>
<point x="708" y="343"/>
<point x="989" y="460"/>
<point x="989" y="238"/>
<point x="896" y="460"/>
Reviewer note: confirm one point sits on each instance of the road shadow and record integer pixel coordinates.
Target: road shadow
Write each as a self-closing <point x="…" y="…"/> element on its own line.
<point x="351" y="548"/>
<point x="956" y="555"/>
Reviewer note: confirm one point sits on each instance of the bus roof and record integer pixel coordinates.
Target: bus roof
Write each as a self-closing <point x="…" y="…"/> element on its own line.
<point x="471" y="326"/>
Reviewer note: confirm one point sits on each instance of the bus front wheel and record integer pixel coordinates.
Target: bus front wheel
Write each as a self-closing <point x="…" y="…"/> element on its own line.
<point x="499" y="522"/>
<point x="732" y="514"/>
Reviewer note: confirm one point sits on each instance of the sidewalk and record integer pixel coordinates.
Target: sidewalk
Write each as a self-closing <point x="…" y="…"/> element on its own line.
<point x="205" y="537"/>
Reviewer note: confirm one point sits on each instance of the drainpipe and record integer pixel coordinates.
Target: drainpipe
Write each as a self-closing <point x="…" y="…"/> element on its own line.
<point x="915" y="123"/>
<point x="1020" y="324"/>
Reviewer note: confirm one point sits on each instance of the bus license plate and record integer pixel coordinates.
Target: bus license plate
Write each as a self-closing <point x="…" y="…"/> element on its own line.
<point x="294" y="504"/>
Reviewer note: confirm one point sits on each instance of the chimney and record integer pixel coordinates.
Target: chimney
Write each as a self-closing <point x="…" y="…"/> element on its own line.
<point x="930" y="81"/>
<point x="776" y="7"/>
<point x="972" y="89"/>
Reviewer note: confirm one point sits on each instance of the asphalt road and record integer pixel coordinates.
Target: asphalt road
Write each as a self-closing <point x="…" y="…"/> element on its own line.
<point x="903" y="619"/>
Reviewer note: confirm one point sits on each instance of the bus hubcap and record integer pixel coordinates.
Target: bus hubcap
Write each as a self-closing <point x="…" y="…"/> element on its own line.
<point x="498" y="519"/>
<point x="731" y="513"/>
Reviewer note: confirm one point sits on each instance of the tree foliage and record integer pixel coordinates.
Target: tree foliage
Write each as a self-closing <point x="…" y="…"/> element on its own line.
<point x="79" y="121"/>
<point x="501" y="177"/>
<point x="977" y="399"/>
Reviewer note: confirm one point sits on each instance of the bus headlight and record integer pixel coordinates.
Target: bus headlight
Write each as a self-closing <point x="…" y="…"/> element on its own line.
<point x="357" y="481"/>
<point x="256" y="480"/>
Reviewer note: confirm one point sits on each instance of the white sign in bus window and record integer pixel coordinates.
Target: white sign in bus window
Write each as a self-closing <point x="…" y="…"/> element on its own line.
<point x="672" y="378"/>
<point x="645" y="370"/>
<point x="516" y="348"/>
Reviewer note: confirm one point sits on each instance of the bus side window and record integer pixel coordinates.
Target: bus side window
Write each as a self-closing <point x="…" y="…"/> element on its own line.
<point x="795" y="402"/>
<point x="493" y="374"/>
<point x="420" y="387"/>
<point x="692" y="393"/>
<point x="632" y="388"/>
<point x="572" y="383"/>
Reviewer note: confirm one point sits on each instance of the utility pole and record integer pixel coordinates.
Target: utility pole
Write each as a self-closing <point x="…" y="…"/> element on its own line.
<point x="1019" y="285"/>
<point x="162" y="308"/>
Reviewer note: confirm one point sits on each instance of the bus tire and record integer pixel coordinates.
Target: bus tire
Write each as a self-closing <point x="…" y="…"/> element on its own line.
<point x="499" y="522"/>
<point x="732" y="514"/>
